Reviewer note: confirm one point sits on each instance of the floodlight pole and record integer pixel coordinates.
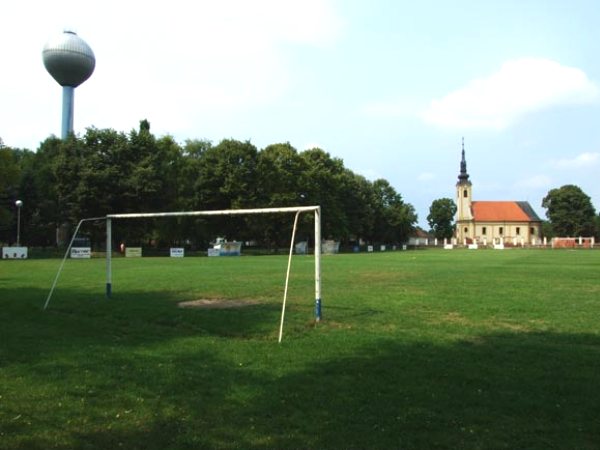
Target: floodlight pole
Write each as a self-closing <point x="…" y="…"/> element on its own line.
<point x="108" y="258"/>
<point x="18" y="204"/>
<point x="318" y="264"/>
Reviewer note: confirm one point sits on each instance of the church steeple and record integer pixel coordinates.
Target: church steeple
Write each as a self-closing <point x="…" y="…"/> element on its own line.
<point x="463" y="177"/>
<point x="464" y="195"/>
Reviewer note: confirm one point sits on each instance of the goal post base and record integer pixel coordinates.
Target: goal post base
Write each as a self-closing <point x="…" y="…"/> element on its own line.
<point x="318" y="310"/>
<point x="108" y="290"/>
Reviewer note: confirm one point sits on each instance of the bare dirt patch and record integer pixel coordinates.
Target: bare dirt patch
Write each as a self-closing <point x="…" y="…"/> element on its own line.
<point x="205" y="303"/>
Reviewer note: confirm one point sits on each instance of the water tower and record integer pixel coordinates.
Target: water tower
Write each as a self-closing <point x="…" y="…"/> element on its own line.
<point x="70" y="61"/>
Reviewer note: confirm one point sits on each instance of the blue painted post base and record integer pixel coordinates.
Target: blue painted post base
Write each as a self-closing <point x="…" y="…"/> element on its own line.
<point x="318" y="310"/>
<point x="108" y="290"/>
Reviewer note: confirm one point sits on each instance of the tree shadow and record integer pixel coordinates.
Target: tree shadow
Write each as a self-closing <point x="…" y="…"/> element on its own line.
<point x="538" y="390"/>
<point x="75" y="320"/>
<point x="506" y="390"/>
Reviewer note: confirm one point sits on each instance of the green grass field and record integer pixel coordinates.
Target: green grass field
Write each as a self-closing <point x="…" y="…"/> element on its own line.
<point x="417" y="350"/>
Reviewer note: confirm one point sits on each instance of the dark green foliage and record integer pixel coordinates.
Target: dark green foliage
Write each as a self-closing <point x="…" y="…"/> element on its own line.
<point x="441" y="217"/>
<point x="570" y="210"/>
<point x="106" y="171"/>
<point x="390" y="209"/>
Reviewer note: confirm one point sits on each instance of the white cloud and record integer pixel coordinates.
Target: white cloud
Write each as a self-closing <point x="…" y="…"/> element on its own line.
<point x="519" y="87"/>
<point x="534" y="182"/>
<point x="179" y="64"/>
<point x="586" y="159"/>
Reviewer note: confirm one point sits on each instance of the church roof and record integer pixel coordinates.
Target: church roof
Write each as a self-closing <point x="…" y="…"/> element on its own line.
<point x="504" y="212"/>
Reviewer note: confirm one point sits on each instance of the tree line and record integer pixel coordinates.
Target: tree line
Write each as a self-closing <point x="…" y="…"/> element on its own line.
<point x="105" y="171"/>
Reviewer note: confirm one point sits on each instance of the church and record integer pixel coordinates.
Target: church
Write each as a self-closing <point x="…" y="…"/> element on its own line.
<point x="490" y="222"/>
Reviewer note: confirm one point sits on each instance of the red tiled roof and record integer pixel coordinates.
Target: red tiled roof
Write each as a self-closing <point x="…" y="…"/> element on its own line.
<point x="499" y="212"/>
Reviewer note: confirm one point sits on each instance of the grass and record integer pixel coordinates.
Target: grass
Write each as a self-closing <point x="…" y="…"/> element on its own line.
<point x="417" y="350"/>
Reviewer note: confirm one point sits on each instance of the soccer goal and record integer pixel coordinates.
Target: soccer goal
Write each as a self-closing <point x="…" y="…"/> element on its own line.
<point x="316" y="210"/>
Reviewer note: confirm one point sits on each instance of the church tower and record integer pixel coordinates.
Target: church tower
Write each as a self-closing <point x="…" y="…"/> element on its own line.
<point x="464" y="198"/>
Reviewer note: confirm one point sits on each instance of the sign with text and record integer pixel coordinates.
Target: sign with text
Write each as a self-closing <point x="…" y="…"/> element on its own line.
<point x="133" y="252"/>
<point x="14" y="252"/>
<point x="177" y="252"/>
<point x="81" y="252"/>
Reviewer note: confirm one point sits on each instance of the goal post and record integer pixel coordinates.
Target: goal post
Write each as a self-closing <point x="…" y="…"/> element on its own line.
<point x="316" y="210"/>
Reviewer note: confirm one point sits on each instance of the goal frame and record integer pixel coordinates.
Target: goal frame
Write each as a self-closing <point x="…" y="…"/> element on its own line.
<point x="316" y="210"/>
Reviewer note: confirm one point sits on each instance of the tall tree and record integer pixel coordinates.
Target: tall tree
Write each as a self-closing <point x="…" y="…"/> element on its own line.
<point x="280" y="179"/>
<point x="394" y="219"/>
<point x="226" y="179"/>
<point x="441" y="217"/>
<point x="570" y="211"/>
<point x="9" y="181"/>
<point x="321" y="185"/>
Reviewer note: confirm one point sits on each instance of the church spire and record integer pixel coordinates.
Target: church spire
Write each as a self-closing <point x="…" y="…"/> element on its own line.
<point x="463" y="176"/>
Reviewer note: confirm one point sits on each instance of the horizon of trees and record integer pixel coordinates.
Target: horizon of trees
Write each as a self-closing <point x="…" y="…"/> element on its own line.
<point x="105" y="171"/>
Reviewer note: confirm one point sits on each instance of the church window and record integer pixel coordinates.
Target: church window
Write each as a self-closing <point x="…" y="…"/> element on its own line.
<point x="466" y="230"/>
<point x="483" y="230"/>
<point x="500" y="231"/>
<point x="518" y="231"/>
<point x="465" y="193"/>
<point x="532" y="230"/>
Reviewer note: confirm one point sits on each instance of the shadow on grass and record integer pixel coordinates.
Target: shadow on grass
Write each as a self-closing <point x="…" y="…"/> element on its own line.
<point x="511" y="390"/>
<point x="75" y="321"/>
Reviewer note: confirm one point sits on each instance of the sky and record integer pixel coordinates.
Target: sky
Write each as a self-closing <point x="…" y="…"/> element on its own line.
<point x="390" y="87"/>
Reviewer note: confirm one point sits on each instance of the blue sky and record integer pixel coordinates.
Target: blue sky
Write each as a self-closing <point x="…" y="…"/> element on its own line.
<point x="390" y="87"/>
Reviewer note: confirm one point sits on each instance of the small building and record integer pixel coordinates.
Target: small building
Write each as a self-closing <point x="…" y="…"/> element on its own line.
<point x="509" y="222"/>
<point x="420" y="237"/>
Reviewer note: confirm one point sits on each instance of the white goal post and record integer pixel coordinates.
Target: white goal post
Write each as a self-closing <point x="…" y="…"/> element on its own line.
<point x="316" y="210"/>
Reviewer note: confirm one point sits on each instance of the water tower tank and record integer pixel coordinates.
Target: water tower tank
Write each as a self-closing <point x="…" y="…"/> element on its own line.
<point x="70" y="61"/>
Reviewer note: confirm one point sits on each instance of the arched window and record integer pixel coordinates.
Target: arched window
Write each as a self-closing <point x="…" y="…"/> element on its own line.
<point x="465" y="193"/>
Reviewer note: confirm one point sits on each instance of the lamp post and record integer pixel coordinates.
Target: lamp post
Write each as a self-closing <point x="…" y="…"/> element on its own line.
<point x="18" y="204"/>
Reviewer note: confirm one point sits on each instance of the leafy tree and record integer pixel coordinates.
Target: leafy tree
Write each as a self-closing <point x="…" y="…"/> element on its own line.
<point x="106" y="171"/>
<point x="227" y="179"/>
<point x="322" y="186"/>
<point x="394" y="219"/>
<point x="358" y="203"/>
<point x="441" y="217"/>
<point x="9" y="180"/>
<point x="570" y="211"/>
<point x="547" y="230"/>
<point x="280" y="179"/>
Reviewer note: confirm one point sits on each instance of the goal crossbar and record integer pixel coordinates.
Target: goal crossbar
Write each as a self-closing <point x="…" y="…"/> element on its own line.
<point x="223" y="212"/>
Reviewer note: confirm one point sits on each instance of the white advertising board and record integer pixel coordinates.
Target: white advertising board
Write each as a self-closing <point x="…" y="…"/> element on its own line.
<point x="177" y="252"/>
<point x="81" y="252"/>
<point x="214" y="252"/>
<point x="14" y="252"/>
<point x="133" y="252"/>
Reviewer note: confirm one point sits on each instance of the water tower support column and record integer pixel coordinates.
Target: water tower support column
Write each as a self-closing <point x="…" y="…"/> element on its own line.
<point x="67" y="111"/>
